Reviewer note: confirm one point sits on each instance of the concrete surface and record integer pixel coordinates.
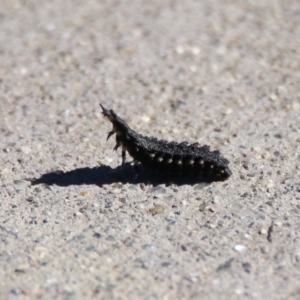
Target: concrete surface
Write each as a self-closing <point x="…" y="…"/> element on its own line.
<point x="223" y="73"/>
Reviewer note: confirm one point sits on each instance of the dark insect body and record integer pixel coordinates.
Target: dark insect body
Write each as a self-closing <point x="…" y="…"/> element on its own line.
<point x="173" y="158"/>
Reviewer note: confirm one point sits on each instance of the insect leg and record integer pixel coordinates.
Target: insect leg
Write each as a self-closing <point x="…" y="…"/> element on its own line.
<point x="136" y="168"/>
<point x="110" y="134"/>
<point x="119" y="143"/>
<point x="123" y="156"/>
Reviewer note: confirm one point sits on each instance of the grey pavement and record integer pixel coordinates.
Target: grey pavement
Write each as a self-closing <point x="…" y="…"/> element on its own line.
<point x="74" y="224"/>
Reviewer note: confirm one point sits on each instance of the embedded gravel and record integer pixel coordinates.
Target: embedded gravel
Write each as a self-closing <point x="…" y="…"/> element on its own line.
<point x="74" y="224"/>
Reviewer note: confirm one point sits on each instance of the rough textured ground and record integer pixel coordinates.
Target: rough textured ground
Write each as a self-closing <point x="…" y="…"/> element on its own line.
<point x="223" y="73"/>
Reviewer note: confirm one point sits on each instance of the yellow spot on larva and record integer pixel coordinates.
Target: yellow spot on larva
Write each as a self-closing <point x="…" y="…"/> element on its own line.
<point x="160" y="159"/>
<point x="151" y="154"/>
<point x="191" y="162"/>
<point x="201" y="162"/>
<point x="169" y="160"/>
<point x="179" y="162"/>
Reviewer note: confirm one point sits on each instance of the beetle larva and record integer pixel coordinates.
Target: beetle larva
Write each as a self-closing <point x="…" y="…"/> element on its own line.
<point x="172" y="158"/>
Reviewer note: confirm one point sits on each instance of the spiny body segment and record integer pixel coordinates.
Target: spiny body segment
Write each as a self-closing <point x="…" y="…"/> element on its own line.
<point x="167" y="157"/>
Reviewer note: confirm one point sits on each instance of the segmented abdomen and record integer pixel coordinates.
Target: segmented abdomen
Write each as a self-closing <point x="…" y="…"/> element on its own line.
<point x="171" y="158"/>
<point x="182" y="159"/>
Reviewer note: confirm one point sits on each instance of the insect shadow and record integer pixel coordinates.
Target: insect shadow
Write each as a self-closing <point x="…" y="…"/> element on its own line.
<point x="105" y="175"/>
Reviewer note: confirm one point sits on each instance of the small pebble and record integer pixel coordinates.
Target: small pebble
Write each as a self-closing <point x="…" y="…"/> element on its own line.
<point x="15" y="291"/>
<point x="183" y="248"/>
<point x="149" y="246"/>
<point x="278" y="135"/>
<point x="143" y="186"/>
<point x="140" y="206"/>
<point x="248" y="235"/>
<point x="19" y="182"/>
<point x="21" y="268"/>
<point x="277" y="153"/>
<point x="123" y="200"/>
<point x="256" y="149"/>
<point x="226" y="265"/>
<point x="165" y="264"/>
<point x="145" y="118"/>
<point x="84" y="193"/>
<point x="235" y="208"/>
<point x="92" y="248"/>
<point x="184" y="203"/>
<point x="239" y="291"/>
<point x="252" y="225"/>
<point x="157" y="209"/>
<point x="133" y="187"/>
<point x="202" y="206"/>
<point x="263" y="231"/>
<point x="128" y="242"/>
<point x="247" y="267"/>
<point x="97" y="235"/>
<point x="212" y="226"/>
<point x="111" y="238"/>
<point x="239" y="248"/>
<point x="26" y="110"/>
<point x="169" y="200"/>
<point x="109" y="203"/>
<point x="179" y="49"/>
<point x="157" y="190"/>
<point x="37" y="190"/>
<point x="26" y="150"/>
<point x="200" y="186"/>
